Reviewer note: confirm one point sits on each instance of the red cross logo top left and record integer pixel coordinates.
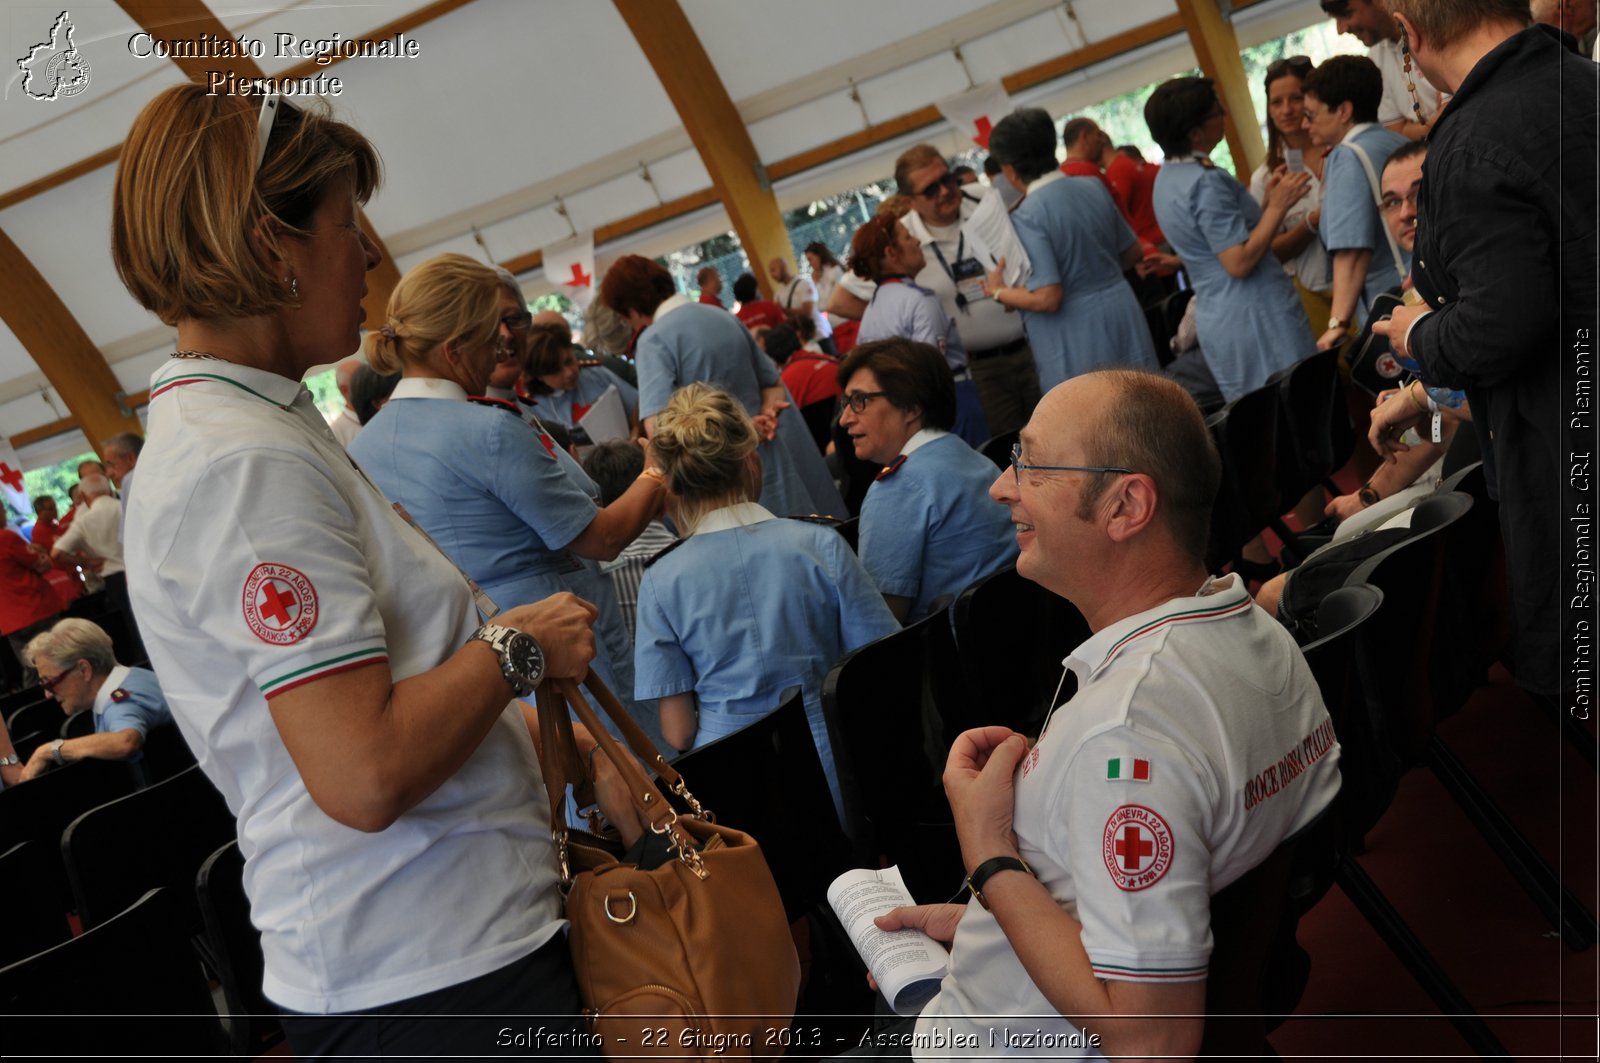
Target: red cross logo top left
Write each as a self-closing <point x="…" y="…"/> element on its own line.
<point x="280" y="604"/>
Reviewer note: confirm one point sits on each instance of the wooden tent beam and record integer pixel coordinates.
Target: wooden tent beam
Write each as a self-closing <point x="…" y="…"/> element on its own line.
<point x="715" y="127"/>
<point x="71" y="362"/>
<point x="1215" y="45"/>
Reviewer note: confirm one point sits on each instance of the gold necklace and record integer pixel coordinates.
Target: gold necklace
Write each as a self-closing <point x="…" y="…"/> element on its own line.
<point x="196" y="354"/>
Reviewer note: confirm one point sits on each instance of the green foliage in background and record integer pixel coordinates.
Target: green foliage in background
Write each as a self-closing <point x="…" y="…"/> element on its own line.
<point x="53" y="480"/>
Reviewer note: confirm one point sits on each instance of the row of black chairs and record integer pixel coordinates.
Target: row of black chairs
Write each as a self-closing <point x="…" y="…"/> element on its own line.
<point x="154" y="878"/>
<point x="1277" y="443"/>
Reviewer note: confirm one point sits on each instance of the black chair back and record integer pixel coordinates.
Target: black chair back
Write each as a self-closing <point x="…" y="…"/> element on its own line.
<point x="1315" y="436"/>
<point x="164" y="755"/>
<point x="235" y="948"/>
<point x="137" y="964"/>
<point x="40" y="809"/>
<point x="1367" y="761"/>
<point x="1256" y="977"/>
<point x="25" y="744"/>
<point x="998" y="448"/>
<point x="1011" y="635"/>
<point x="890" y="743"/>
<point x="851" y="530"/>
<point x="155" y="837"/>
<point x="1246" y="434"/>
<point x="1394" y="670"/>
<point x="77" y="725"/>
<point x="44" y="715"/>
<point x="35" y="907"/>
<point x="13" y="701"/>
<point x="767" y="779"/>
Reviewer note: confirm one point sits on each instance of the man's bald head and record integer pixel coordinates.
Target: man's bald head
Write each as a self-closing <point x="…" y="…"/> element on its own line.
<point x="343" y="373"/>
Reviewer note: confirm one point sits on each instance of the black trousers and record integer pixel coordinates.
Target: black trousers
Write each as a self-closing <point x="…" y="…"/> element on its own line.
<point x="527" y="1007"/>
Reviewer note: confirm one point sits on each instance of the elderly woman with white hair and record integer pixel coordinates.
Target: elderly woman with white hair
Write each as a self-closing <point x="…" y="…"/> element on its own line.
<point x="78" y="669"/>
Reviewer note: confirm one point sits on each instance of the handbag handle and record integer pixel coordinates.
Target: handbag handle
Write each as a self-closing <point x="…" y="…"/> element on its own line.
<point x="560" y="762"/>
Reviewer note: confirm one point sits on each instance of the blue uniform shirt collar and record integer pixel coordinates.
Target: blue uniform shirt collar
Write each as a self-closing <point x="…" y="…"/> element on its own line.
<point x="114" y="680"/>
<point x="428" y="387"/>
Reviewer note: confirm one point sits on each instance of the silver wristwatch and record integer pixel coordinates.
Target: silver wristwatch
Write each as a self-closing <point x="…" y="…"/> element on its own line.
<point x="521" y="657"/>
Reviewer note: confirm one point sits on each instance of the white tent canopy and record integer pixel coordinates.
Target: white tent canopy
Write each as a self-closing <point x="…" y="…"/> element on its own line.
<point x="514" y="110"/>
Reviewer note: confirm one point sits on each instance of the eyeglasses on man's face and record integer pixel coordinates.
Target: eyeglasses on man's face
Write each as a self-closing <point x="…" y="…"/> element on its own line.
<point x="1392" y="203"/>
<point x="938" y="185"/>
<point x="1017" y="465"/>
<point x="857" y="400"/>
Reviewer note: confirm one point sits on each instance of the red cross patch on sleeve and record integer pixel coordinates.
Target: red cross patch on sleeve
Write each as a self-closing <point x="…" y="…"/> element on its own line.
<point x="1137" y="847"/>
<point x="280" y="604"/>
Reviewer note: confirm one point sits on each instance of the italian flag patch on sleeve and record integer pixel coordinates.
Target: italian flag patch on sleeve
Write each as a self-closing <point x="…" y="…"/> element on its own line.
<point x="1127" y="769"/>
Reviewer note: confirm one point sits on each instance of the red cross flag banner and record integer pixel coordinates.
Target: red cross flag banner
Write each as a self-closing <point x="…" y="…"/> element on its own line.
<point x="11" y="479"/>
<point x="976" y="111"/>
<point x="569" y="265"/>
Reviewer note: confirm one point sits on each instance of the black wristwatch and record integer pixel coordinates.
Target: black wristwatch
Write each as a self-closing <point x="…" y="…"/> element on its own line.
<point x="988" y="869"/>
<point x="521" y="656"/>
<point x="1367" y="494"/>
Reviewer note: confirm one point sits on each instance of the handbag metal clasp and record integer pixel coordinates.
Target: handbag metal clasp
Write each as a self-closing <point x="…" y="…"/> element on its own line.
<point x="633" y="910"/>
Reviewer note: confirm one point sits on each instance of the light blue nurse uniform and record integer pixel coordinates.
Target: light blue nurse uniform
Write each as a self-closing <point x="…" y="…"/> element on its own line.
<point x="1350" y="218"/>
<point x="901" y="307"/>
<point x="1075" y="236"/>
<point x="1249" y="327"/>
<point x="929" y="528"/>
<point x="739" y="615"/>
<point x="568" y="407"/>
<point x="497" y="497"/>
<point x="694" y="342"/>
<point x="136" y="704"/>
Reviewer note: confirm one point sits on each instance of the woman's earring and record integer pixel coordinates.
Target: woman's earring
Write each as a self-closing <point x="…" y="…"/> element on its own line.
<point x="294" y="287"/>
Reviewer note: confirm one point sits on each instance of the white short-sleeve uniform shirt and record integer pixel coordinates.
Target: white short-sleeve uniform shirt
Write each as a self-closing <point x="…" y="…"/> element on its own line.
<point x="261" y="559"/>
<point x="1196" y="743"/>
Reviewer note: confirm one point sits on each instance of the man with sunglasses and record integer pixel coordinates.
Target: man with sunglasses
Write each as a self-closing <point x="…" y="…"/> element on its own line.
<point x="78" y="669"/>
<point x="963" y="236"/>
<point x="1370" y="22"/>
<point x="1196" y="743"/>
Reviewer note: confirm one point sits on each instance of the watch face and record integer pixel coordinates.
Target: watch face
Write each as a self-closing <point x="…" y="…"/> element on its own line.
<point x="523" y="653"/>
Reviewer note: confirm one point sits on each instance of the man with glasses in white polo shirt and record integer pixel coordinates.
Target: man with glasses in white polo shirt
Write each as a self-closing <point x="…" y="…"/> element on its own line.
<point x="1196" y="743"/>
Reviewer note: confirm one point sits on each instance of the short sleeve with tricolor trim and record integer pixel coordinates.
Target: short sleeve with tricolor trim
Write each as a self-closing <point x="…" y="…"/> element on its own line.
<point x="1135" y="806"/>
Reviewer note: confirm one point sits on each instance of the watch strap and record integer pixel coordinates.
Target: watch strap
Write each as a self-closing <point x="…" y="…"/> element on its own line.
<point x="988" y="869"/>
<point x="55" y="752"/>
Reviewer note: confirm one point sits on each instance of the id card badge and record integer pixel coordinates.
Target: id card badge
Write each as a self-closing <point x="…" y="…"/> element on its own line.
<point x="969" y="277"/>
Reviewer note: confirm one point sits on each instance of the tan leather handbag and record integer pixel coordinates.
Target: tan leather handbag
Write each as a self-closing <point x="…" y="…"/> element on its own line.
<point x="692" y="958"/>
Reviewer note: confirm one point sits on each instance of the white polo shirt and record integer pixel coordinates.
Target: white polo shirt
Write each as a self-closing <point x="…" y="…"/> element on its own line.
<point x="1196" y="743"/>
<point x="261" y="559"/>
<point x="96" y="530"/>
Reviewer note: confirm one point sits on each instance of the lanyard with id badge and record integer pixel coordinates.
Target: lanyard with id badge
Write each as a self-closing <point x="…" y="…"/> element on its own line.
<point x="967" y="274"/>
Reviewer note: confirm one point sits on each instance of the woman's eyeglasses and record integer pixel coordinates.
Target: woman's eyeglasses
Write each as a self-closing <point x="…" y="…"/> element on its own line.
<point x="1017" y="465"/>
<point x="857" y="400"/>
<point x="49" y="685"/>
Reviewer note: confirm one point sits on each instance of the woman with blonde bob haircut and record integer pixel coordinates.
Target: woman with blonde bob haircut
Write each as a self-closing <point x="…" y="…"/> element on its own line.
<point x="748" y="605"/>
<point x="507" y="505"/>
<point x="322" y="659"/>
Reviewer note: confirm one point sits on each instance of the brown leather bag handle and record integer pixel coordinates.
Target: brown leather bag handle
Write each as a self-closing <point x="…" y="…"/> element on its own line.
<point x="561" y="763"/>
